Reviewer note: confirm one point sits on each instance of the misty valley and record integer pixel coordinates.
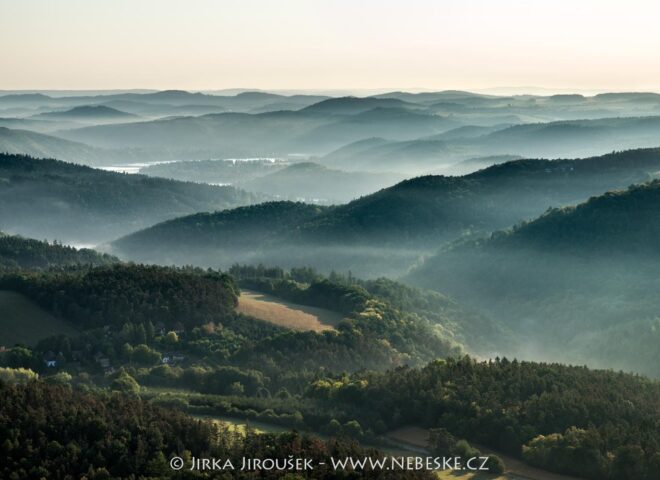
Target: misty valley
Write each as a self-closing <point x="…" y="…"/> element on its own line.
<point x="257" y="273"/>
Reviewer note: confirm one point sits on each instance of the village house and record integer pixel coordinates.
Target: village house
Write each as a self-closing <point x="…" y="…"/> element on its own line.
<point x="50" y="359"/>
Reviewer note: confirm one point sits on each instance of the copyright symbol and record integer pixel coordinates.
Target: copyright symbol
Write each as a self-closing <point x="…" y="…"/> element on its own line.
<point x="176" y="463"/>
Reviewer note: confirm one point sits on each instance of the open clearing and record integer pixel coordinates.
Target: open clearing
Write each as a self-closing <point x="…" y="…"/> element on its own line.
<point x="240" y="425"/>
<point x="286" y="314"/>
<point x="21" y="321"/>
<point x="515" y="469"/>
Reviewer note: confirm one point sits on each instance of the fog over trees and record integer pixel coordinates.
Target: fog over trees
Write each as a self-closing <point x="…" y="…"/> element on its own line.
<point x="488" y="266"/>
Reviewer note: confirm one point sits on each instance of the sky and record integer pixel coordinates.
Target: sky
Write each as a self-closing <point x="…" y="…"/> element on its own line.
<point x="577" y="45"/>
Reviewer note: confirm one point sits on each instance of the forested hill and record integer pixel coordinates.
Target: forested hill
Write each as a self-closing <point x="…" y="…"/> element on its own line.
<point x="54" y="431"/>
<point x="318" y="183"/>
<point x="110" y="295"/>
<point x="89" y="112"/>
<point x="372" y="334"/>
<point x="19" y="141"/>
<point x="44" y="198"/>
<point x="596" y="425"/>
<point x="435" y="208"/>
<point x="230" y="232"/>
<point x="420" y="214"/>
<point x="19" y="252"/>
<point x="623" y="222"/>
<point x="580" y="281"/>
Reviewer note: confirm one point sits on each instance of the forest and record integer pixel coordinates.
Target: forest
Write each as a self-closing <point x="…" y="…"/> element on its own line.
<point x="477" y="275"/>
<point x="17" y="252"/>
<point x="52" y="431"/>
<point x="394" y="361"/>
<point x="46" y="198"/>
<point x="598" y="257"/>
<point x="385" y="232"/>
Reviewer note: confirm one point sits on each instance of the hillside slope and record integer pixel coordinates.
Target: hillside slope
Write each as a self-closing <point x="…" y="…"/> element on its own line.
<point x="437" y="208"/>
<point x="313" y="182"/>
<point x="43" y="198"/>
<point x="386" y="231"/>
<point x="580" y="282"/>
<point x="26" y="253"/>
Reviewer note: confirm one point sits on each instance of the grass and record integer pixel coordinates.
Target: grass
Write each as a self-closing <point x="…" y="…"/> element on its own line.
<point x="240" y="425"/>
<point x="21" y="321"/>
<point x="286" y="314"/>
<point x="515" y="469"/>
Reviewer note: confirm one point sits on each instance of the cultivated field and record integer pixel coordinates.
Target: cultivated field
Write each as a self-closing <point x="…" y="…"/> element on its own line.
<point x="21" y="321"/>
<point x="286" y="314"/>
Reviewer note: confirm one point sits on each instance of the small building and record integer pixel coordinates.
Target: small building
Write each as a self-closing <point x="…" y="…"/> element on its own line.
<point x="159" y="328"/>
<point x="102" y="360"/>
<point x="172" y="358"/>
<point x="50" y="359"/>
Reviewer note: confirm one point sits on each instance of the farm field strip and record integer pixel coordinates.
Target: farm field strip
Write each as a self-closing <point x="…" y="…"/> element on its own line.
<point x="286" y="314"/>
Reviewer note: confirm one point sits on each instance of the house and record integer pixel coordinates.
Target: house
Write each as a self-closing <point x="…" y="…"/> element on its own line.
<point x="102" y="360"/>
<point x="159" y="328"/>
<point x="50" y="359"/>
<point x="179" y="328"/>
<point x="172" y="358"/>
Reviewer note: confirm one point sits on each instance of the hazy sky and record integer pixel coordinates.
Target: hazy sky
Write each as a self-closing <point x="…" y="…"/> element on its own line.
<point x="323" y="44"/>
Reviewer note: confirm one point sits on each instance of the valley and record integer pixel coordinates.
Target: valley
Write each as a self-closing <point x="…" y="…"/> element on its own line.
<point x="450" y="272"/>
<point x="329" y="240"/>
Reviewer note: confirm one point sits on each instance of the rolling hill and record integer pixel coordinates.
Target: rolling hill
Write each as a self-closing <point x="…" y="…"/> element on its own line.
<point x="26" y="253"/>
<point x="560" y="139"/>
<point x="232" y="135"/>
<point x="423" y="132"/>
<point x="355" y="105"/>
<point x="39" y="145"/>
<point x="378" y="155"/>
<point x="436" y="208"/>
<point x="43" y="198"/>
<point x="24" y="322"/>
<point x="577" y="281"/>
<point x="315" y="183"/>
<point x="215" y="171"/>
<point x="387" y="231"/>
<point x="574" y="138"/>
<point x="88" y="113"/>
<point x="220" y="238"/>
<point x="227" y="135"/>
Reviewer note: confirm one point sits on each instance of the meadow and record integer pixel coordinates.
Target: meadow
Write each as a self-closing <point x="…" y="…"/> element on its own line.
<point x="286" y="314"/>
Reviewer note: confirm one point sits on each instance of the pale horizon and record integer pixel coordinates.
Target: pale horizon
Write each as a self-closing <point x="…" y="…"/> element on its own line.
<point x="299" y="45"/>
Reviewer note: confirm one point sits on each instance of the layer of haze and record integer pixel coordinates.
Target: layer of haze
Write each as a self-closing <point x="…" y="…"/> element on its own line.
<point x="323" y="44"/>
